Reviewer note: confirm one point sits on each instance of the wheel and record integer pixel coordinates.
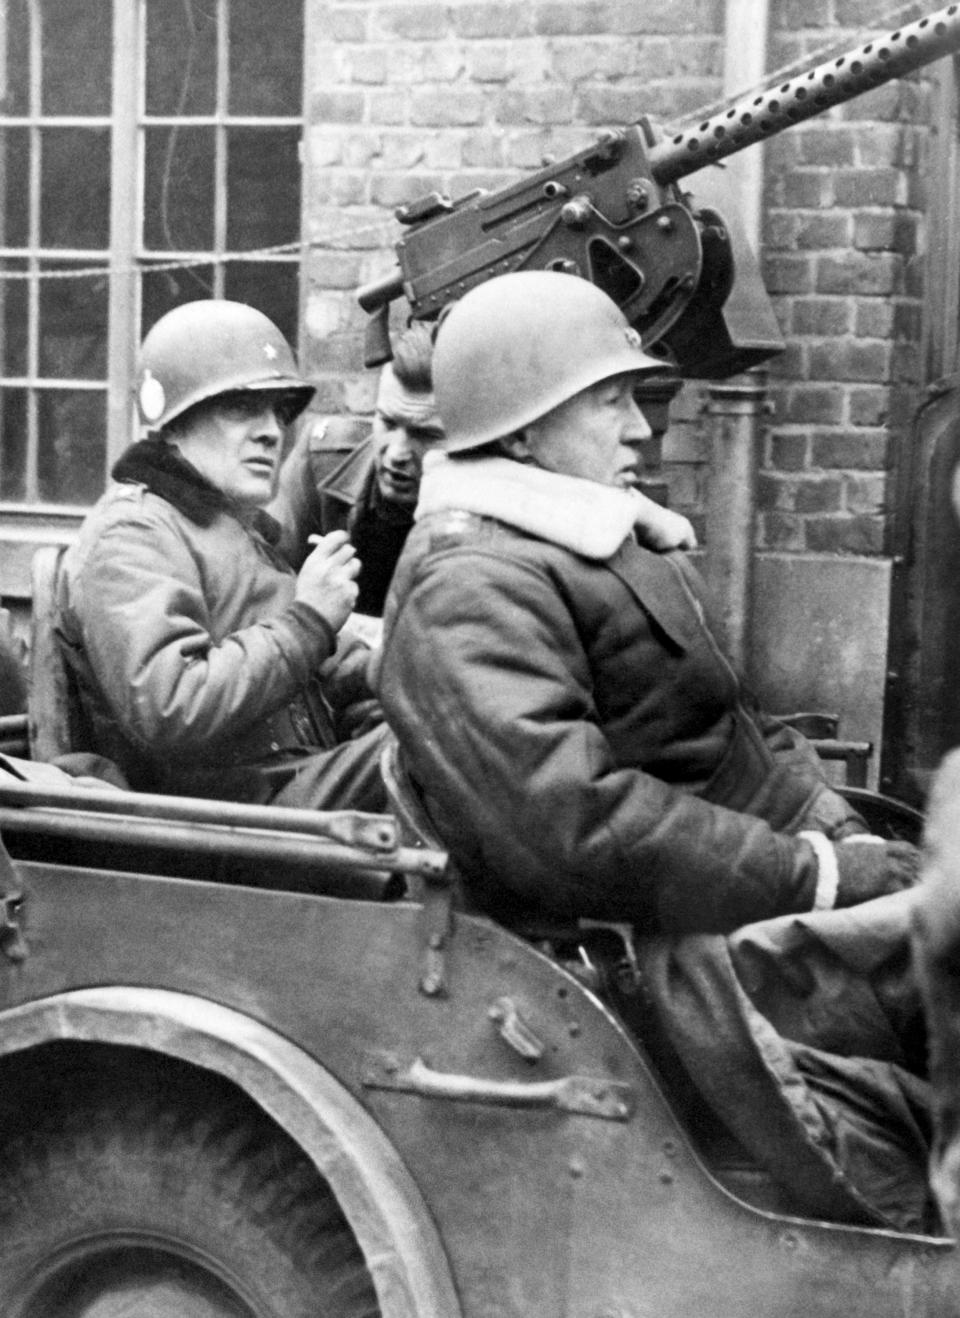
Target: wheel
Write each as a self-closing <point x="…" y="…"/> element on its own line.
<point x="144" y="1189"/>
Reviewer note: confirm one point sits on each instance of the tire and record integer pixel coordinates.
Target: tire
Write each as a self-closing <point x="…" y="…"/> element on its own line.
<point x="144" y="1189"/>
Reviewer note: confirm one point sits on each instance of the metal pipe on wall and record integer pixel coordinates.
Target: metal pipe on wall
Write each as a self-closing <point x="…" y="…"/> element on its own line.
<point x="735" y="406"/>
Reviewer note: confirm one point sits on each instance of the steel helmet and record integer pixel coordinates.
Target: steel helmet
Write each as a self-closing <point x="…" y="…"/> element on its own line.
<point x="210" y="347"/>
<point x="517" y="346"/>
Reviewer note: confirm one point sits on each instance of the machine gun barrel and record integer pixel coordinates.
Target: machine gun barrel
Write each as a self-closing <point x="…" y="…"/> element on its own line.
<point x="832" y="83"/>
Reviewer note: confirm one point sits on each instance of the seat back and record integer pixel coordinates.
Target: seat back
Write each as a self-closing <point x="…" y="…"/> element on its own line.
<point x="53" y="706"/>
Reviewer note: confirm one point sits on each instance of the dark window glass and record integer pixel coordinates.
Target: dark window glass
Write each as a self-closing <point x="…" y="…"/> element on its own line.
<point x="182" y="56"/>
<point x="16" y="99"/>
<point x="13" y="443"/>
<point x="266" y="57"/>
<point x="75" y="187"/>
<point x="73" y="326"/>
<point x="15" y="185"/>
<point x="13" y="292"/>
<point x="179" y="196"/>
<point x="77" y="56"/>
<point x="72" y="428"/>
<point x="162" y="290"/>
<point x="271" y="287"/>
<point x="263" y="187"/>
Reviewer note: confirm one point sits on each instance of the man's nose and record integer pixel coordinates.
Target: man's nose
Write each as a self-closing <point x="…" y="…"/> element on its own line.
<point x="269" y="427"/>
<point x="637" y="427"/>
<point x="400" y="448"/>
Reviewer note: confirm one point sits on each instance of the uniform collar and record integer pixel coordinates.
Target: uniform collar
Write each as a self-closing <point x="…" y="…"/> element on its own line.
<point x="590" y="519"/>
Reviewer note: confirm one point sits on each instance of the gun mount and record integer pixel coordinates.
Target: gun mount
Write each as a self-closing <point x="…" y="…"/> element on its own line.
<point x="682" y="274"/>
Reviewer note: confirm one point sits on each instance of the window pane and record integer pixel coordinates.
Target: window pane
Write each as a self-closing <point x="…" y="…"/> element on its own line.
<point x="15" y="185"/>
<point x="73" y="326"/>
<point x="270" y="286"/>
<point x="13" y="320"/>
<point x="263" y="187"/>
<point x="266" y="57"/>
<point x="16" y="99"/>
<point x="162" y="290"/>
<point x="72" y="457"/>
<point x="179" y="201"/>
<point x="75" y="187"/>
<point x="77" y="55"/>
<point x="181" y="56"/>
<point x="13" y="443"/>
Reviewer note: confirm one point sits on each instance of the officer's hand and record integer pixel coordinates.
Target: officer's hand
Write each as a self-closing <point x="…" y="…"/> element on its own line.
<point x="661" y="528"/>
<point x="328" y="579"/>
<point x="869" y="867"/>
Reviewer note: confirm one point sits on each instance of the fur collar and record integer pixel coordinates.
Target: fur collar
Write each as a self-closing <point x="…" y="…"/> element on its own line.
<point x="165" y="472"/>
<point x="590" y="519"/>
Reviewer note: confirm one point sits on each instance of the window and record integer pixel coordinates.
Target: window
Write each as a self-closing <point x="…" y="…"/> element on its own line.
<point x="149" y="155"/>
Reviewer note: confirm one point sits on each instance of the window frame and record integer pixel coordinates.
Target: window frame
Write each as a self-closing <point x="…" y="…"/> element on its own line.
<point x="126" y="259"/>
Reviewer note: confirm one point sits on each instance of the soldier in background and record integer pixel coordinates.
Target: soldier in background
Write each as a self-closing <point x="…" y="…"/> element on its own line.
<point x="349" y="475"/>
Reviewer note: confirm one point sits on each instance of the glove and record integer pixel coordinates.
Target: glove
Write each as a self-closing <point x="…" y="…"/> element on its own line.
<point x="870" y="867"/>
<point x="861" y="867"/>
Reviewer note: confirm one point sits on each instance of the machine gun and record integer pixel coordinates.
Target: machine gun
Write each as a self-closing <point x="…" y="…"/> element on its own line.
<point x="613" y="214"/>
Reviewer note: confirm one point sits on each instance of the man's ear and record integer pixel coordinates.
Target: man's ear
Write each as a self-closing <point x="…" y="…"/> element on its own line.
<point x="517" y="446"/>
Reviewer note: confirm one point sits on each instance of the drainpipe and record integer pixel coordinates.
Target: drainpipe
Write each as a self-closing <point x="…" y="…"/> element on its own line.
<point x="735" y="406"/>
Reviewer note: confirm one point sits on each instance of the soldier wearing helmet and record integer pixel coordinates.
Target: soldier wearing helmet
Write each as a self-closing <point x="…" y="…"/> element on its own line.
<point x="551" y="673"/>
<point x="206" y="665"/>
<point x="345" y="474"/>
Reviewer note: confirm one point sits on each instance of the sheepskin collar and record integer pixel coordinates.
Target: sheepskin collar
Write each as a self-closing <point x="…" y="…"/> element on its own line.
<point x="165" y="472"/>
<point x="590" y="519"/>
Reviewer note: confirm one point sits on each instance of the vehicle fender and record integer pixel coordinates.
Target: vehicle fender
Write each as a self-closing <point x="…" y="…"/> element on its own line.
<point x="372" y="1185"/>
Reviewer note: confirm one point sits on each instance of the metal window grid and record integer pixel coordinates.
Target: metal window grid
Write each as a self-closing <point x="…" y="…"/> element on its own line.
<point x="127" y="258"/>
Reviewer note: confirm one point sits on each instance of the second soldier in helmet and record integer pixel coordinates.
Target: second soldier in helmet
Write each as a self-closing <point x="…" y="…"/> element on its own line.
<point x="206" y="665"/>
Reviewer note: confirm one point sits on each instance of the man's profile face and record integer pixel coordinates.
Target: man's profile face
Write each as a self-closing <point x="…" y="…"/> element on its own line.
<point x="594" y="435"/>
<point x="405" y="426"/>
<point x="234" y="441"/>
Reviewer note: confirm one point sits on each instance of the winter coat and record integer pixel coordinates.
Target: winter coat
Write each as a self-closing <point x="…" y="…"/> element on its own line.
<point x="328" y="483"/>
<point x="198" y="670"/>
<point x="561" y="700"/>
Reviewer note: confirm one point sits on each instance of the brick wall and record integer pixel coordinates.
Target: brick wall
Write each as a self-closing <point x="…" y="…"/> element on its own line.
<point x="406" y="98"/>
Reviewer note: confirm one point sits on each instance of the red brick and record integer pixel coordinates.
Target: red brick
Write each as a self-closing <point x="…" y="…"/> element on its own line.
<point x="849" y="449"/>
<point x="344" y="24"/>
<point x="819" y="496"/>
<point x="337" y="107"/>
<point x="819" y="231"/>
<point x="587" y="18"/>
<point x="826" y="144"/>
<point x="776" y="492"/>
<point x="820" y="316"/>
<point x="850" y="359"/>
<point x="845" y="535"/>
<point x="488" y="61"/>
<point x="491" y="20"/>
<point x="447" y="108"/>
<point x="388" y="107"/>
<point x="814" y="404"/>
<point x="626" y="16"/>
<point x="783" y="531"/>
<point x="869" y="407"/>
<point x="863" y="274"/>
<point x="423" y="22"/>
<point x="788" y="452"/>
<point x="866" y="494"/>
<point x="788" y="274"/>
<point x="540" y="105"/>
<point x="870" y="187"/>
<point x="333" y="269"/>
<point x="398" y="189"/>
